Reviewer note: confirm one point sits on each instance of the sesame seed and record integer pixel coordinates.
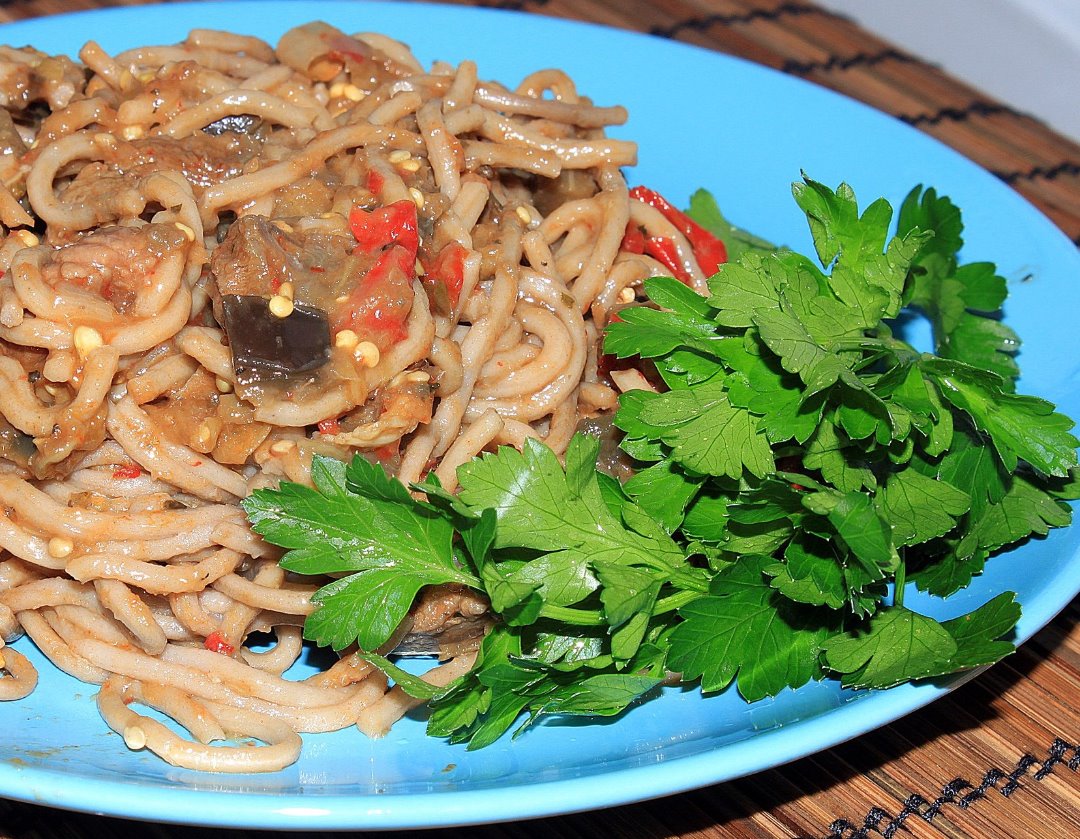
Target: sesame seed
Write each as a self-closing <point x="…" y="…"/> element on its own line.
<point x="134" y="737"/>
<point x="28" y="239"/>
<point x="344" y="90"/>
<point x="189" y="234"/>
<point x="417" y="377"/>
<point x="627" y="295"/>
<point x="417" y="196"/>
<point x="399" y="156"/>
<point x="367" y="354"/>
<point x="410" y="165"/>
<point x="60" y="547"/>
<point x="132" y="132"/>
<point x="205" y="434"/>
<point x="223" y="385"/>
<point x="524" y="214"/>
<point x="87" y="339"/>
<point x="280" y="307"/>
<point x="283" y="446"/>
<point x="347" y="339"/>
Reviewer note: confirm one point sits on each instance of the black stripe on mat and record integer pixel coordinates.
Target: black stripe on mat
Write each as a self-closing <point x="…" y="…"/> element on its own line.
<point x="884" y="824"/>
<point x="1046" y="173"/>
<point x="837" y="62"/>
<point x="699" y="24"/>
<point x="979" y="109"/>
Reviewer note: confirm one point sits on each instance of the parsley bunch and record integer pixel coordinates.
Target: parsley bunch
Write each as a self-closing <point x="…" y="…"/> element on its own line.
<point x="803" y="462"/>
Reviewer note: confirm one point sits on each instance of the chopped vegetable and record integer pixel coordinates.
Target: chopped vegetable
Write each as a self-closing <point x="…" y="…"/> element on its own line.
<point x="274" y="347"/>
<point x="663" y="251"/>
<point x="216" y="643"/>
<point x="394" y="224"/>
<point x="708" y="249"/>
<point x="445" y="277"/>
<point x="803" y="463"/>
<point x="377" y="308"/>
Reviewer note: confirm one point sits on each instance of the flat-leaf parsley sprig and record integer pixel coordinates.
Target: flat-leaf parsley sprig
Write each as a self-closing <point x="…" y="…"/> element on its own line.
<point x="803" y="460"/>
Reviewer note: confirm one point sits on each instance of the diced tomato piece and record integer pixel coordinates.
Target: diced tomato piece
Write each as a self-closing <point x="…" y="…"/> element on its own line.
<point x="394" y="224"/>
<point x="127" y="472"/>
<point x="375" y="181"/>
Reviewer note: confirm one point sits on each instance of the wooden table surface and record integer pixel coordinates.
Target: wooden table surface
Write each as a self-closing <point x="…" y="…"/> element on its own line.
<point x="997" y="759"/>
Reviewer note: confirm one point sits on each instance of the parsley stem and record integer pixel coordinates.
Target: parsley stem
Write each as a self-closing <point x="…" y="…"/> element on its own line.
<point x="675" y="601"/>
<point x="584" y="617"/>
<point x="574" y="617"/>
<point x="899" y="583"/>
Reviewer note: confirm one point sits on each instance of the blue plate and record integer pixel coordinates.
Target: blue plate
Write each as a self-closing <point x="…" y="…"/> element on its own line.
<point x="701" y="119"/>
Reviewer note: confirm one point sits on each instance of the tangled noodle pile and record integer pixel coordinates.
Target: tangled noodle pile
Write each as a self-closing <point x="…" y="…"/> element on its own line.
<point x="221" y="258"/>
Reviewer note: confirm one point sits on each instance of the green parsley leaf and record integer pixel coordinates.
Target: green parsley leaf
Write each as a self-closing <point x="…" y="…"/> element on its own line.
<point x="978" y="634"/>
<point x="538" y="508"/>
<point x="744" y="631"/>
<point x="920" y="508"/>
<point x="395" y="544"/>
<point x="860" y="528"/>
<point x="800" y="445"/>
<point x="898" y="645"/>
<point x="1021" y="427"/>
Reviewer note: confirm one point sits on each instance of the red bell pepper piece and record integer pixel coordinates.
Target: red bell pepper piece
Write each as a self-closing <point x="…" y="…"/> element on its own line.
<point x="663" y="251"/>
<point x="633" y="241"/>
<point x="448" y="268"/>
<point x="708" y="250"/>
<point x="329" y="426"/>
<point x="394" y="224"/>
<point x="216" y="643"/>
<point x="344" y="46"/>
<point x="379" y="305"/>
<point x="375" y="181"/>
<point x="387" y="452"/>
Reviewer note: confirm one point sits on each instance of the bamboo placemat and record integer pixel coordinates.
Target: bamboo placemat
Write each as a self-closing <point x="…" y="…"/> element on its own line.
<point x="997" y="759"/>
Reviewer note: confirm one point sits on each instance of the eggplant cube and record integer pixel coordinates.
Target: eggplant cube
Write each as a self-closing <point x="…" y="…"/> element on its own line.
<point x="268" y="348"/>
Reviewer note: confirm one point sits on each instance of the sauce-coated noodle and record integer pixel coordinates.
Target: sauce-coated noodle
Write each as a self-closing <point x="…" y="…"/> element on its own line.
<point x="441" y="254"/>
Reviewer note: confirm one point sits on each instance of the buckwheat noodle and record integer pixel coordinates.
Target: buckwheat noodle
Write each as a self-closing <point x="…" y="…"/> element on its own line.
<point x="141" y="190"/>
